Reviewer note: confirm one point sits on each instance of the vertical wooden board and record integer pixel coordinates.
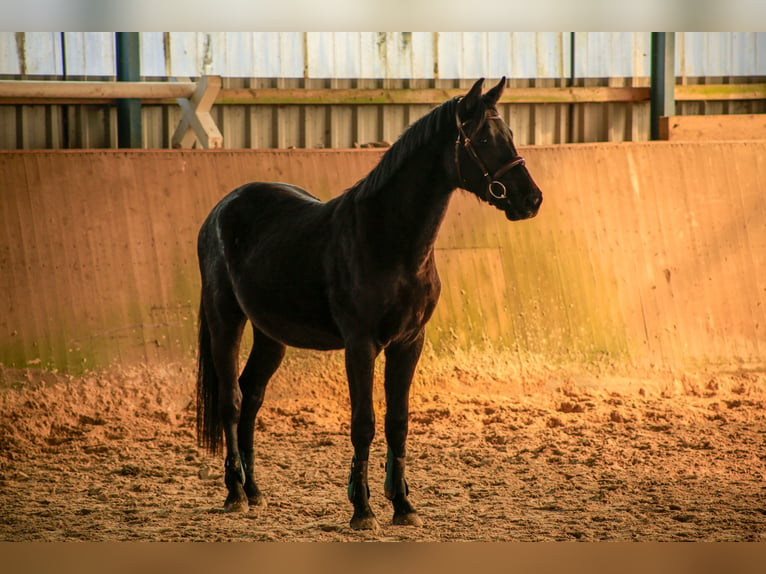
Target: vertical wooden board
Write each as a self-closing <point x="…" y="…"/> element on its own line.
<point x="617" y="115"/>
<point x="740" y="258"/>
<point x="575" y="311"/>
<point x="713" y="251"/>
<point x="547" y="120"/>
<point x="669" y="224"/>
<point x="597" y="310"/>
<point x="341" y="120"/>
<point x="165" y="285"/>
<point x="367" y="119"/>
<point x="262" y="127"/>
<point x="33" y="120"/>
<point x="471" y="312"/>
<point x="233" y="126"/>
<point x="341" y="128"/>
<point x="46" y="260"/>
<point x="616" y="203"/>
<point x="521" y="118"/>
<point x="10" y="127"/>
<point x="393" y="122"/>
<point x="18" y="326"/>
<point x="736" y="263"/>
<point x="153" y="126"/>
<point x="288" y="120"/>
<point x="315" y="120"/>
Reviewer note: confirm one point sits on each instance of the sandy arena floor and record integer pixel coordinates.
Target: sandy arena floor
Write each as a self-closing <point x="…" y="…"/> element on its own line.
<point x="496" y="453"/>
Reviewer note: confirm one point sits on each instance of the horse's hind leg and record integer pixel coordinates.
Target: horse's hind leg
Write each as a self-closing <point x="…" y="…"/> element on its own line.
<point x="225" y="321"/>
<point x="401" y="360"/>
<point x="265" y="357"/>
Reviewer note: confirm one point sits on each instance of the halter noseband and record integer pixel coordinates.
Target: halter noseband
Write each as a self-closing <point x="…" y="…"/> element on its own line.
<point x="495" y="187"/>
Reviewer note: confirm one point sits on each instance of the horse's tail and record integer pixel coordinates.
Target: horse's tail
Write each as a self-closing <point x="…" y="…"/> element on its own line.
<point x="209" y="424"/>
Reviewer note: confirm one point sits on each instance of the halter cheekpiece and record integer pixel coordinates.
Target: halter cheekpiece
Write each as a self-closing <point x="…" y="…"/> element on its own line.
<point x="495" y="187"/>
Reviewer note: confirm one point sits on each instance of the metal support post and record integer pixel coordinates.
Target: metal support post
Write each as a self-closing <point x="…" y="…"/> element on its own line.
<point x="663" y="101"/>
<point x="128" y="109"/>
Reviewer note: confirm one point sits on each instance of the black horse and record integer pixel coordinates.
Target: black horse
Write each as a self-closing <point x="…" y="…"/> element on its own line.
<point x="355" y="273"/>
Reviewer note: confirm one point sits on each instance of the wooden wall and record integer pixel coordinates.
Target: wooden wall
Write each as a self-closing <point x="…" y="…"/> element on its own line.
<point x="644" y="252"/>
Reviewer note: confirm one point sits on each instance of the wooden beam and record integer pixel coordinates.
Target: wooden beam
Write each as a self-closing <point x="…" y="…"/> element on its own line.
<point x="709" y="128"/>
<point x="21" y="90"/>
<point x="276" y="96"/>
<point x="705" y="92"/>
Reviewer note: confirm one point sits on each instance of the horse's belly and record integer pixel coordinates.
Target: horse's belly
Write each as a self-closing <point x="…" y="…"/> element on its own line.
<point x="302" y="332"/>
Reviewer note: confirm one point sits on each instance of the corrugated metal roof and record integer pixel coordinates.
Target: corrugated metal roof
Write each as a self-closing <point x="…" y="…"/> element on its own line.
<point x="383" y="55"/>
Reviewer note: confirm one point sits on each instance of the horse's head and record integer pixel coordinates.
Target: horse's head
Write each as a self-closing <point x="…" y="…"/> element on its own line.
<point x="486" y="159"/>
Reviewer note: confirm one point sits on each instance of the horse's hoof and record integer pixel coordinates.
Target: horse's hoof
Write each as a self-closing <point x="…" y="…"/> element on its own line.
<point x="235" y="506"/>
<point x="365" y="523"/>
<point x="409" y="519"/>
<point x="258" y="500"/>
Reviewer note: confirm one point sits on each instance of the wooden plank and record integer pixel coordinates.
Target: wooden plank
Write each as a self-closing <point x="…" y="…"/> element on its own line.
<point x="715" y="127"/>
<point x="372" y="96"/>
<point x="35" y="92"/>
<point x="25" y="89"/>
<point x="704" y="92"/>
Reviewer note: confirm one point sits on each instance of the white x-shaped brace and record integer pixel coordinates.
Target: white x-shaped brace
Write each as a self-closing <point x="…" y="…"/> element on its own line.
<point x="196" y="122"/>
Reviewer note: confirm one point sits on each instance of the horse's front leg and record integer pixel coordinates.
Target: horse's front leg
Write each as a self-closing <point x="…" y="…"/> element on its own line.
<point x="360" y="361"/>
<point x="401" y="360"/>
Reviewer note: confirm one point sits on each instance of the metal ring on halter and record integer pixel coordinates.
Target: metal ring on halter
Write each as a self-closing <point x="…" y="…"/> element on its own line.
<point x="503" y="193"/>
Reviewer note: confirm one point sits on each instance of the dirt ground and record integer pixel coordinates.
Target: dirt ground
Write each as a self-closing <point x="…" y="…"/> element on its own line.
<point x="498" y="451"/>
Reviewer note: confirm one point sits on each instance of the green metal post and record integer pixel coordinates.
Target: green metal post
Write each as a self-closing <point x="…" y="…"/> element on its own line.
<point x="663" y="101"/>
<point x="128" y="109"/>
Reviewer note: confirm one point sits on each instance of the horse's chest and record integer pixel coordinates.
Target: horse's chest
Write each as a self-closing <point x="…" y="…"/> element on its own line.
<point x="407" y="308"/>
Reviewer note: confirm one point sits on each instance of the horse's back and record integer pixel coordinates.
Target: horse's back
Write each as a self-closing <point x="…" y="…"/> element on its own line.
<point x="260" y="199"/>
<point x="259" y="209"/>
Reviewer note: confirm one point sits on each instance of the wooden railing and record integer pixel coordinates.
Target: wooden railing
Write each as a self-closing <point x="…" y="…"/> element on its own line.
<point x="197" y="98"/>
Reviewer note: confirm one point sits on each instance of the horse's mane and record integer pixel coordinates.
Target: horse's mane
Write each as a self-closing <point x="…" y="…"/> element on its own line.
<point x="423" y="131"/>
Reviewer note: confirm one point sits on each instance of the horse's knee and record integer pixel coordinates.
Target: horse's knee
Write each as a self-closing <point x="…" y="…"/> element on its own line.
<point x="362" y="431"/>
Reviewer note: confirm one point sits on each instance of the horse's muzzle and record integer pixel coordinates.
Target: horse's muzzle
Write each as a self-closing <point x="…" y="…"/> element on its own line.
<point x="527" y="210"/>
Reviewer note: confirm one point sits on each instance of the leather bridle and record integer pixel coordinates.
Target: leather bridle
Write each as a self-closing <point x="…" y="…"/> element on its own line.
<point x="495" y="187"/>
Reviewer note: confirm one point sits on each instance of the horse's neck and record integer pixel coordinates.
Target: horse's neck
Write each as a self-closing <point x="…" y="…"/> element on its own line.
<point x="405" y="216"/>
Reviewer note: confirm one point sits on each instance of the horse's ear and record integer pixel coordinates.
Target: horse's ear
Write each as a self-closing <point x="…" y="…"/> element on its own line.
<point x="469" y="102"/>
<point x="491" y="97"/>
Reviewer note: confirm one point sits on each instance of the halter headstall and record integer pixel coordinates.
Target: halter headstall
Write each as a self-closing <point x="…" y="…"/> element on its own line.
<point x="495" y="187"/>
